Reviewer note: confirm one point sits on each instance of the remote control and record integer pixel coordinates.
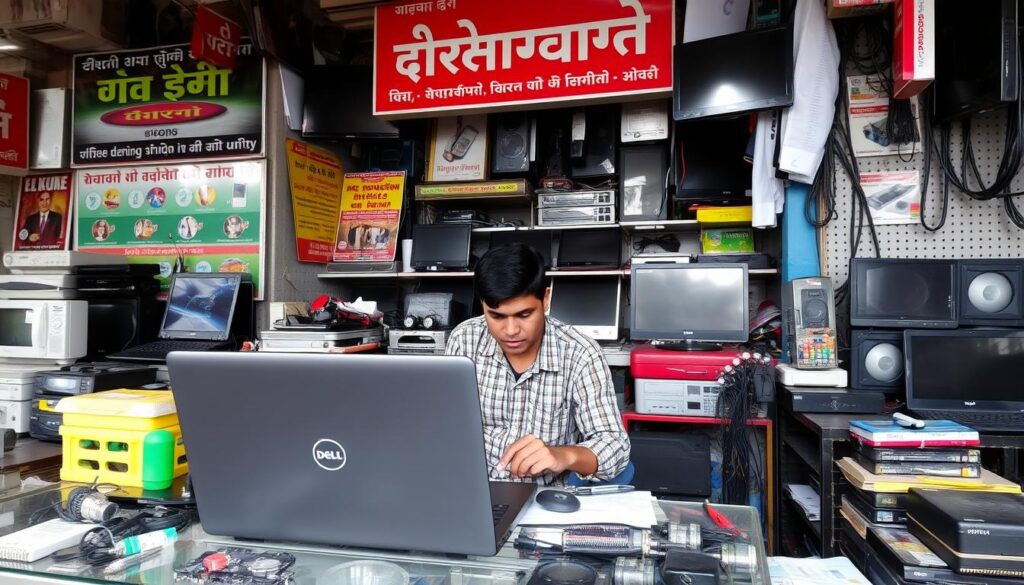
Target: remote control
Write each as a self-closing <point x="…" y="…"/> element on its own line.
<point x="906" y="421"/>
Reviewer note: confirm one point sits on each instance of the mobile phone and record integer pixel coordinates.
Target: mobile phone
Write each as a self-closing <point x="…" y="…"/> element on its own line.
<point x="238" y="195"/>
<point x="460" y="144"/>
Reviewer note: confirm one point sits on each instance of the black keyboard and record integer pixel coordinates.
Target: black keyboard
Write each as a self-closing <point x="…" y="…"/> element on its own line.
<point x="498" y="512"/>
<point x="987" y="420"/>
<point x="158" y="350"/>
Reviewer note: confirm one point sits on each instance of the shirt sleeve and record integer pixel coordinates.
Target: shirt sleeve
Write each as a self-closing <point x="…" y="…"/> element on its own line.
<point x="598" y="417"/>
<point x="455" y="345"/>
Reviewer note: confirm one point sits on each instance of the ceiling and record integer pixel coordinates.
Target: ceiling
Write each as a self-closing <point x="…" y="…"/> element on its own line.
<point x="351" y="14"/>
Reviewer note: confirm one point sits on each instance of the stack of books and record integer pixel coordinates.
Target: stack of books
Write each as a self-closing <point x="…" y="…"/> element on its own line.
<point x="889" y="459"/>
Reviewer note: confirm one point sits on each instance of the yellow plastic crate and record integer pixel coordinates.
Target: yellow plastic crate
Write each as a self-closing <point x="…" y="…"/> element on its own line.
<point x="104" y="433"/>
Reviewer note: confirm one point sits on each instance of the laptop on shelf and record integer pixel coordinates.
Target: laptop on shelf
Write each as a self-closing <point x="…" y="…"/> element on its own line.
<point x="200" y="308"/>
<point x="379" y="451"/>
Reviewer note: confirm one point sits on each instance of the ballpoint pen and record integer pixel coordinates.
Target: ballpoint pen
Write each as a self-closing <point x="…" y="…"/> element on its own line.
<point x="594" y="490"/>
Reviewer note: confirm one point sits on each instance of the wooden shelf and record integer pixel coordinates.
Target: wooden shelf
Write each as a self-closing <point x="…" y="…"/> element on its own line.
<point x="754" y="273"/>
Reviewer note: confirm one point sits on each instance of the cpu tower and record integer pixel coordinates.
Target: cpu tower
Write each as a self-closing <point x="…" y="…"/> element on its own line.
<point x="876" y="359"/>
<point x="992" y="292"/>
<point x="809" y="323"/>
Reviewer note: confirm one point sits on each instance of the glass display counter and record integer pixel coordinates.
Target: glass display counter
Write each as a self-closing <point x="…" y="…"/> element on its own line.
<point x="314" y="565"/>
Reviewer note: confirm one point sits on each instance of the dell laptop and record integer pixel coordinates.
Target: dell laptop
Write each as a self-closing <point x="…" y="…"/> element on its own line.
<point x="379" y="451"/>
<point x="198" y="317"/>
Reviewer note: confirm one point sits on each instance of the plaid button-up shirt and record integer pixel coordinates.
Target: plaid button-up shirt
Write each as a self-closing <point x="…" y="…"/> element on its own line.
<point x="565" y="398"/>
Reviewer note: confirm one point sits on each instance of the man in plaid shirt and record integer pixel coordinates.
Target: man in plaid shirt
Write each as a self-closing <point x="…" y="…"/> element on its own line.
<point x="546" y="395"/>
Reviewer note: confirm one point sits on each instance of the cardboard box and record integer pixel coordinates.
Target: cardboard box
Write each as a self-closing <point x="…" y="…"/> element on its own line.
<point x="913" y="47"/>
<point x="848" y="8"/>
<point x="868" y="112"/>
<point x="458" y="149"/>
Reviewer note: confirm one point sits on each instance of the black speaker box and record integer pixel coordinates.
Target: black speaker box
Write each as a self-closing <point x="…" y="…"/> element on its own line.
<point x="876" y="359"/>
<point x="992" y="292"/>
<point x="643" y="170"/>
<point x="671" y="464"/>
<point x="511" y="151"/>
<point x="601" y="135"/>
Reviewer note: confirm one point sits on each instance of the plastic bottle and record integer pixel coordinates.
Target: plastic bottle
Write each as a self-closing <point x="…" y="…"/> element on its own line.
<point x="157" y="460"/>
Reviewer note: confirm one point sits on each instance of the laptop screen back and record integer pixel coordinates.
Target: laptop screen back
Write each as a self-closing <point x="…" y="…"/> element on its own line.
<point x="200" y="306"/>
<point x="379" y="451"/>
<point x="946" y="369"/>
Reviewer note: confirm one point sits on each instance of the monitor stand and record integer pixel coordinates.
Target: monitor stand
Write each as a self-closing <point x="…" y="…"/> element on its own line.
<point x="686" y="345"/>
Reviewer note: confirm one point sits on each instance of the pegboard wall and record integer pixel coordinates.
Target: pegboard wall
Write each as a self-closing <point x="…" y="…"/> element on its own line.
<point x="973" y="229"/>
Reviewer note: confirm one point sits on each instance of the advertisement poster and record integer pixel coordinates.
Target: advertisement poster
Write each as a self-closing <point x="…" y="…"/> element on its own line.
<point x="315" y="176"/>
<point x="869" y="116"/>
<point x="211" y="215"/>
<point x="447" y="55"/>
<point x="458" y="149"/>
<point x="893" y="198"/>
<point x="43" y="213"/>
<point x="13" y="124"/>
<point x="161" y="104"/>
<point x="371" y="209"/>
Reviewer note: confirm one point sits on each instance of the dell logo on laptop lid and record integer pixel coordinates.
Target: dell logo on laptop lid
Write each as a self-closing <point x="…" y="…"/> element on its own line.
<point x="329" y="454"/>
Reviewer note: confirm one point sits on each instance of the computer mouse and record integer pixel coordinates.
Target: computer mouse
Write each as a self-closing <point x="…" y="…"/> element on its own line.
<point x="557" y="501"/>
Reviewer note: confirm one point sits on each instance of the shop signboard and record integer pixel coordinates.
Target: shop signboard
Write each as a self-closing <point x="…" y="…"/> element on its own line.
<point x="13" y="124"/>
<point x="315" y="176"/>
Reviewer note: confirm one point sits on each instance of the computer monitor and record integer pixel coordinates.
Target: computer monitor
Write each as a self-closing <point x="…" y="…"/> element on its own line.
<point x="903" y="292"/>
<point x="689" y="303"/>
<point x="588" y="303"/>
<point x="964" y="369"/>
<point x="441" y="246"/>
<point x="976" y="57"/>
<point x="735" y="73"/>
<point x="593" y="249"/>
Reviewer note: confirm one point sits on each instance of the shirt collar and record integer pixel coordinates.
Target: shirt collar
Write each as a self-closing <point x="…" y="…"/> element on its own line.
<point x="547" y="359"/>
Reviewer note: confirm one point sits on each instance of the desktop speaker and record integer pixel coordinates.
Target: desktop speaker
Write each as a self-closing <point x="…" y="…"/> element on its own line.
<point x="809" y="323"/>
<point x="992" y="292"/>
<point x="876" y="359"/>
<point x="511" y="152"/>
<point x="671" y="464"/>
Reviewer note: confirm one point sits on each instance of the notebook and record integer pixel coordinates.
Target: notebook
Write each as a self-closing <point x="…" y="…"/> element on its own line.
<point x="200" y="308"/>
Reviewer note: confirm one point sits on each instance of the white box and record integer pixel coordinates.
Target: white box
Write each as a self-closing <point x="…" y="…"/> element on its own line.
<point x="787" y="375"/>
<point x="868" y="112"/>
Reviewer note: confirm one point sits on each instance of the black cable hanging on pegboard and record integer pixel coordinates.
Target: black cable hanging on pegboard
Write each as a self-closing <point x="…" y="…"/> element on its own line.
<point x="969" y="180"/>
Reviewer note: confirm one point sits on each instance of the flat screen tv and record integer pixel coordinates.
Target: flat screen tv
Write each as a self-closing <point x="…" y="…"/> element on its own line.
<point x="732" y="74"/>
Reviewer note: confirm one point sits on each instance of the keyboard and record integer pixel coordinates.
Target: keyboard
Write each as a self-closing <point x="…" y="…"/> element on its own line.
<point x="156" y="351"/>
<point x="498" y="512"/>
<point x="987" y="420"/>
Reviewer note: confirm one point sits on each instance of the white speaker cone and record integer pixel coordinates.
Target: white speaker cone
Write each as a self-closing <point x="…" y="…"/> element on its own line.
<point x="884" y="362"/>
<point x="990" y="292"/>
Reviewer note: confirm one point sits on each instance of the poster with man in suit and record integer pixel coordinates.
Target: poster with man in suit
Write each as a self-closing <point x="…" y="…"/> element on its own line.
<point x="44" y="206"/>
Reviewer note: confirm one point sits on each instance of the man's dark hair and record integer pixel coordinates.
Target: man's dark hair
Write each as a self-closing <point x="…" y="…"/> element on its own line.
<point x="507" y="272"/>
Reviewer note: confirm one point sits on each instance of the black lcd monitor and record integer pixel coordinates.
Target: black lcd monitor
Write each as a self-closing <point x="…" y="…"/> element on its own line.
<point x="591" y="249"/>
<point x="964" y="369"/>
<point x="540" y="240"/>
<point x="710" y="163"/>
<point x="588" y="303"/>
<point x="441" y="246"/>
<point x="689" y="303"/>
<point x="731" y="74"/>
<point x="901" y="292"/>
<point x="975" y="56"/>
<point x="339" y="104"/>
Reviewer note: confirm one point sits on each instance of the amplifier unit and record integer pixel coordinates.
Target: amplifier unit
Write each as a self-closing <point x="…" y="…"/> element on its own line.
<point x="677" y="397"/>
<point x="417" y="342"/>
<point x="574" y="198"/>
<point x="592" y="215"/>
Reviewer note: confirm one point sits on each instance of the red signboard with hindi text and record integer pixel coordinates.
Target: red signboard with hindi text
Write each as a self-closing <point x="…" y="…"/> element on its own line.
<point x="13" y="124"/>
<point x="451" y="55"/>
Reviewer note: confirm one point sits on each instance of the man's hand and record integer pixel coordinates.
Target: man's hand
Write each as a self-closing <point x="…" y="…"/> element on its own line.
<point x="528" y="456"/>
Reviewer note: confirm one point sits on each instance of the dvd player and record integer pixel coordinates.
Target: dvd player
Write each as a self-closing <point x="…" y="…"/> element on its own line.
<point x="591" y="215"/>
<point x="575" y="198"/>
